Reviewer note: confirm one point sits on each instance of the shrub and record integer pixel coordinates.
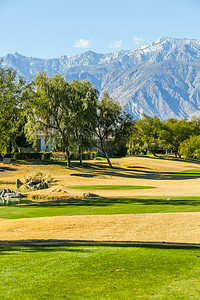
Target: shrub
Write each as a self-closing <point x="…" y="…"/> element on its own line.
<point x="46" y="155"/>
<point x="58" y="155"/>
<point x="74" y="156"/>
<point x="44" y="176"/>
<point x="32" y="155"/>
<point x="86" y="155"/>
<point x="8" y="155"/>
<point x="24" y="156"/>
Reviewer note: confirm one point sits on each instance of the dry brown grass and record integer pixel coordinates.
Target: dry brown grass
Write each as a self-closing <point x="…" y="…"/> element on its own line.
<point x="168" y="228"/>
<point x="126" y="171"/>
<point x="173" y="227"/>
<point x="38" y="174"/>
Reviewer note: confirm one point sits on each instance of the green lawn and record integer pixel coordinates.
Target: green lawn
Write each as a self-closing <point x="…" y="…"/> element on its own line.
<point x="103" y="206"/>
<point x="194" y="172"/>
<point x="100" y="272"/>
<point x="109" y="187"/>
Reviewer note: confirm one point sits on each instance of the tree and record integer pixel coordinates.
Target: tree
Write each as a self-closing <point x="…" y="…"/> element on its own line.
<point x="83" y="107"/>
<point x="195" y="124"/>
<point x="122" y="135"/>
<point x="45" y="110"/>
<point x="147" y="134"/>
<point x="180" y="130"/>
<point x="17" y="136"/>
<point x="12" y="91"/>
<point x="57" y="108"/>
<point x="190" y="148"/>
<point x="105" y="123"/>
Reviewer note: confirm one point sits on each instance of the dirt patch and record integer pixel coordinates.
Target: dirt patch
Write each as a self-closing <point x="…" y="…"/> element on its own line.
<point x="168" y="228"/>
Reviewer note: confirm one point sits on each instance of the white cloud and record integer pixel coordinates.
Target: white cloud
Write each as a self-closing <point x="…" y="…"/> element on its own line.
<point x="138" y="40"/>
<point x="115" y="44"/>
<point x="81" y="43"/>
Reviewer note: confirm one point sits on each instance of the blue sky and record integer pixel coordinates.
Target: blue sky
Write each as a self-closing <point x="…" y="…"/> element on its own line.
<point x="52" y="28"/>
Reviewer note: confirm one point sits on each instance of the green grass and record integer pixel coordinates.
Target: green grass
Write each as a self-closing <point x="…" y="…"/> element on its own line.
<point x="100" y="158"/>
<point x="194" y="172"/>
<point x="103" y="206"/>
<point x="109" y="187"/>
<point x="99" y="272"/>
<point x="191" y="171"/>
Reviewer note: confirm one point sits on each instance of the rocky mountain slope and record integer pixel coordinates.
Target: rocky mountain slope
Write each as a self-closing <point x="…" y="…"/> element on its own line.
<point x="161" y="78"/>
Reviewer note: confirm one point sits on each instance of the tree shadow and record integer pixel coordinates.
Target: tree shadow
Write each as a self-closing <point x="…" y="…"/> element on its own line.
<point x="55" y="245"/>
<point x="173" y="158"/>
<point x="94" y="170"/>
<point x="103" y="202"/>
<point x="5" y="169"/>
<point x="30" y="247"/>
<point x="101" y="168"/>
<point x="139" y="167"/>
<point x="84" y="175"/>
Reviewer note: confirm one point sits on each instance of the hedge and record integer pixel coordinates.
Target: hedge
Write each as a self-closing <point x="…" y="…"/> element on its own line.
<point x="32" y="155"/>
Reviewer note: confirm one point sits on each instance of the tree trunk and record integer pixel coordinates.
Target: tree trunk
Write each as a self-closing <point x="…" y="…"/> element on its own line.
<point x="80" y="155"/>
<point x="68" y="158"/>
<point x="179" y="155"/>
<point x="9" y="148"/>
<point x="66" y="147"/>
<point x="176" y="154"/>
<point x="129" y="149"/>
<point x="108" y="159"/>
<point x="105" y="152"/>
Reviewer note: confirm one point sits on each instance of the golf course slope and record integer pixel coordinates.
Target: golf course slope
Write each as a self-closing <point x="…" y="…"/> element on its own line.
<point x="168" y="228"/>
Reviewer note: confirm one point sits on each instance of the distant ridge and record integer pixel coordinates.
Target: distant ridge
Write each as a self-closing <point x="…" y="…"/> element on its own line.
<point x="161" y="78"/>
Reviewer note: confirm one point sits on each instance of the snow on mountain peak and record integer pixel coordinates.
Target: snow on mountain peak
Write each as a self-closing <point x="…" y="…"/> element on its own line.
<point x="162" y="77"/>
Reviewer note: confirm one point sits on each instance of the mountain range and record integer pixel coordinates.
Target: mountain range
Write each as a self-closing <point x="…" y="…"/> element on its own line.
<point x="161" y="78"/>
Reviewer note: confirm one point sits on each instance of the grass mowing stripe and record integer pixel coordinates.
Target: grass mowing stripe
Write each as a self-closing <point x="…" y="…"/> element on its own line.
<point x="103" y="206"/>
<point x="109" y="187"/>
<point x="99" y="272"/>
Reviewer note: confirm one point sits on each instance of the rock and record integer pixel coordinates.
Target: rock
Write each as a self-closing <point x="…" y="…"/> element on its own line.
<point x="45" y="185"/>
<point x="36" y="184"/>
<point x="8" y="194"/>
<point x="34" y="188"/>
<point x="42" y="185"/>
<point x="35" y="180"/>
<point x="29" y="184"/>
<point x="4" y="191"/>
<point x="2" y="200"/>
<point x="90" y="195"/>
<point x="18" y="194"/>
<point x="13" y="195"/>
<point x="18" y="183"/>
